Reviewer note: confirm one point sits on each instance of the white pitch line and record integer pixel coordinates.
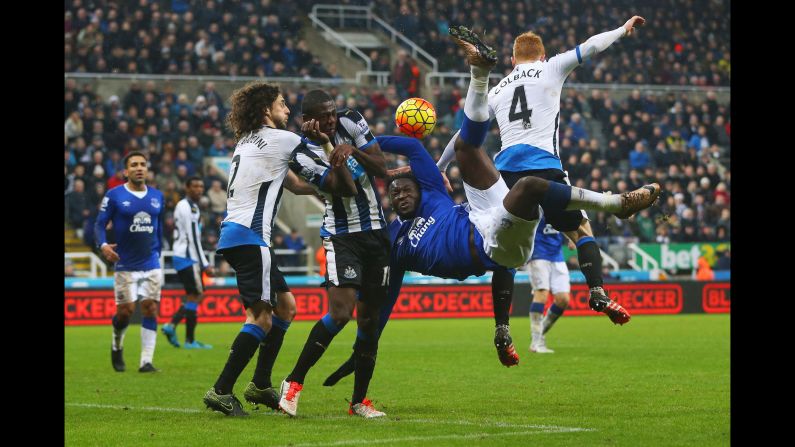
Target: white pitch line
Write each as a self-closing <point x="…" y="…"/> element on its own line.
<point x="433" y="437"/>
<point x="540" y="428"/>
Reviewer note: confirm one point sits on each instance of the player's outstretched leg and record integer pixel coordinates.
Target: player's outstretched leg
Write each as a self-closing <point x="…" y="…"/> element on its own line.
<point x="341" y="303"/>
<point x="260" y="390"/>
<point x="120" y="323"/>
<point x="191" y="321"/>
<point x="344" y="370"/>
<point x="170" y="329"/>
<point x="502" y="294"/>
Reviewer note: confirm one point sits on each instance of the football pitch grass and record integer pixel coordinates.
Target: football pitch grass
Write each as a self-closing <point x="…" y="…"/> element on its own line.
<point x="659" y="380"/>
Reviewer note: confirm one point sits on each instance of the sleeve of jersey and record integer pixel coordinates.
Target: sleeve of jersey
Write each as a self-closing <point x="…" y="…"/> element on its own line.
<point x="106" y="211"/>
<point x="423" y="166"/>
<point x="356" y="126"/>
<point x="307" y="165"/>
<point x="564" y="63"/>
<point x="288" y="143"/>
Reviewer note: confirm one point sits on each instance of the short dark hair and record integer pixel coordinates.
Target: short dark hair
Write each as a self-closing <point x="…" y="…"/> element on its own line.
<point x="133" y="154"/>
<point x="314" y="98"/>
<point x="193" y="178"/>
<point x="407" y="175"/>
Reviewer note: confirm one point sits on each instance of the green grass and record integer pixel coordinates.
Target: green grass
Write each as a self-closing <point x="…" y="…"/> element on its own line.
<point x="660" y="380"/>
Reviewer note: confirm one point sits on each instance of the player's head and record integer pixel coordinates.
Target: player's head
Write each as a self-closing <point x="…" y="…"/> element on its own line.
<point x="404" y="194"/>
<point x="319" y="105"/>
<point x="194" y="188"/>
<point x="527" y="47"/>
<point x="256" y="104"/>
<point x="136" y="166"/>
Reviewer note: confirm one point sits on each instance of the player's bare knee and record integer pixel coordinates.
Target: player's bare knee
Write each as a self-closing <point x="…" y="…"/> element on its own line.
<point x="562" y="300"/>
<point x="341" y="311"/>
<point x="124" y="311"/>
<point x="149" y="308"/>
<point x="461" y="145"/>
<point x="532" y="188"/>
<point x="264" y="321"/>
<point x="286" y="308"/>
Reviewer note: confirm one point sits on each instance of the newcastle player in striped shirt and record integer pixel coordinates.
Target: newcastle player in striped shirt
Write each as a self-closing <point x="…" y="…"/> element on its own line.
<point x="354" y="237"/>
<point x="190" y="262"/>
<point x="258" y="170"/>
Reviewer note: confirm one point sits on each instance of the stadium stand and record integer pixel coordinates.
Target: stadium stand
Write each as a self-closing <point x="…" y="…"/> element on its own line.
<point x="609" y="141"/>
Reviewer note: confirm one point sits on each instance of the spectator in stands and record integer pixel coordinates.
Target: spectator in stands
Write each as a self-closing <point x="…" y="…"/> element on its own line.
<point x="77" y="206"/>
<point x="724" y="260"/>
<point x="73" y="127"/>
<point x="639" y="158"/>
<point x="402" y="75"/>
<point x="217" y="197"/>
<point x="293" y="241"/>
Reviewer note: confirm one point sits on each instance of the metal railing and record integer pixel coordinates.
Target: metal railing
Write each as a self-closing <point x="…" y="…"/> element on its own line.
<point x="349" y="47"/>
<point x="96" y="262"/>
<point x="609" y="260"/>
<point x="341" y="13"/>
<point x="203" y="78"/>
<point x="381" y="77"/>
<point x="647" y="260"/>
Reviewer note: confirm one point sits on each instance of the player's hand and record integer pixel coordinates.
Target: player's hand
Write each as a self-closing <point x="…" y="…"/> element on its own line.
<point x="311" y="129"/>
<point x="109" y="253"/>
<point x="571" y="244"/>
<point x="210" y="271"/>
<point x="340" y="154"/>
<point x="396" y="171"/>
<point x="631" y="23"/>
<point x="447" y="185"/>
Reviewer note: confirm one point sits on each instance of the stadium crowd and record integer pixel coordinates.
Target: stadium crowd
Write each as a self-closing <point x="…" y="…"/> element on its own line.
<point x="606" y="144"/>
<point x="680" y="48"/>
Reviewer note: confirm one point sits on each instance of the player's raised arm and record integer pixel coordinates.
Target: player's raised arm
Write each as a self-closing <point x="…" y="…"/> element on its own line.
<point x="600" y="42"/>
<point x="368" y="152"/>
<point x="423" y="166"/>
<point x="595" y="44"/>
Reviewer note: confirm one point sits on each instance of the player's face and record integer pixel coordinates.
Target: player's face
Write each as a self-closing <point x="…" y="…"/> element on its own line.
<point x="136" y="170"/>
<point x="195" y="190"/>
<point x="325" y="114"/>
<point x="279" y="113"/>
<point x="405" y="196"/>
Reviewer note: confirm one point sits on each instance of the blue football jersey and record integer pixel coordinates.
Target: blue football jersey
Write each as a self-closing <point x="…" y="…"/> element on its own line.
<point x="136" y="224"/>
<point x="436" y="241"/>
<point x="548" y="243"/>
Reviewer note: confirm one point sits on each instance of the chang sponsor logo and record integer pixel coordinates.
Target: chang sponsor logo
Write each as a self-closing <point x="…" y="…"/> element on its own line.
<point x="142" y="223"/>
<point x="419" y="228"/>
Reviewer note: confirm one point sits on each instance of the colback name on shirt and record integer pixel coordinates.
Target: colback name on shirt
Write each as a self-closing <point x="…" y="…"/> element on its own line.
<point x="254" y="139"/>
<point x="529" y="73"/>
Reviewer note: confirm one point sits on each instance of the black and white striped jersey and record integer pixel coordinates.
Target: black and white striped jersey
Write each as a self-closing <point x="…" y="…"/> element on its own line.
<point x="187" y="236"/>
<point x="343" y="214"/>
<point x="259" y="165"/>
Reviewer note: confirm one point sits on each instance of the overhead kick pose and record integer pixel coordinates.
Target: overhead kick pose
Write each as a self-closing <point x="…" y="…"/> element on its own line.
<point x="496" y="228"/>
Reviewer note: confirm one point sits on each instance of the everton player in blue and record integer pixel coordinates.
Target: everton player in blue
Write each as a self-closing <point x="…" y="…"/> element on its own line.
<point x="136" y="212"/>
<point x="496" y="228"/>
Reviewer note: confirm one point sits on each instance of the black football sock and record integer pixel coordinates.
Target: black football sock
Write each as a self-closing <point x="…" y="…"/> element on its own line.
<point x="178" y="315"/>
<point x="243" y="349"/>
<point x="364" y="354"/>
<point x="502" y="294"/>
<point x="268" y="351"/>
<point x="343" y="371"/>
<point x="590" y="261"/>
<point x="319" y="339"/>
